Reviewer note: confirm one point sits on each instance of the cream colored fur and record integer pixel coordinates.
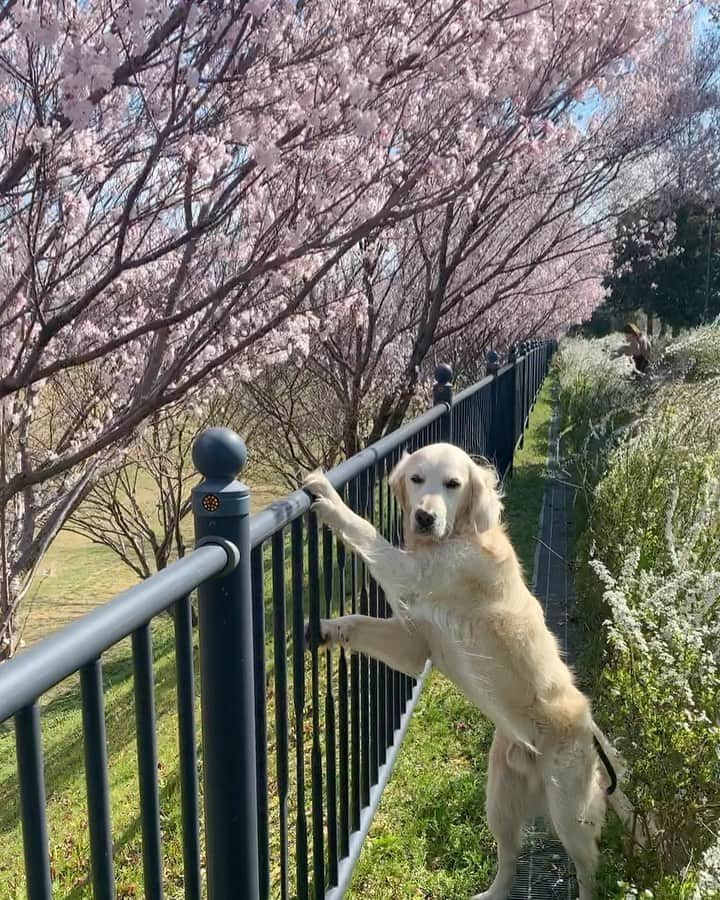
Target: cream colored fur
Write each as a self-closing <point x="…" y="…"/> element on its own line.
<point x="459" y="598"/>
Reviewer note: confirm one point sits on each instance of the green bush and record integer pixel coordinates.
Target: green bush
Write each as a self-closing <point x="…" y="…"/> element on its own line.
<point x="660" y="480"/>
<point x="646" y="453"/>
<point x="600" y="397"/>
<point x="695" y="356"/>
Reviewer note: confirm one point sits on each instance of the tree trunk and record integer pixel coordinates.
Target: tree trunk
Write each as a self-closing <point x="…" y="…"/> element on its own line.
<point x="9" y="634"/>
<point x="351" y="437"/>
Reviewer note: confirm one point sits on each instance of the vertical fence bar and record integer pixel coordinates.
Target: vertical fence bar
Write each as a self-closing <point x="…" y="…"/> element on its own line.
<point x="355" y="693"/>
<point x="147" y="761"/>
<point x="185" y="664"/>
<point x="493" y="440"/>
<point x="221" y="506"/>
<point x="385" y="734"/>
<point x="28" y="742"/>
<point x="330" y="744"/>
<point x="344" y="715"/>
<point x="298" y="587"/>
<point x="373" y="663"/>
<point x="257" y="578"/>
<point x="96" y="778"/>
<point x="313" y="552"/>
<point x="281" y="712"/>
<point x="522" y="374"/>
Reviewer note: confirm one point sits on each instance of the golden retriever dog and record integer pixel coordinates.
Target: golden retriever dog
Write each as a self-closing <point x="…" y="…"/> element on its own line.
<point x="459" y="599"/>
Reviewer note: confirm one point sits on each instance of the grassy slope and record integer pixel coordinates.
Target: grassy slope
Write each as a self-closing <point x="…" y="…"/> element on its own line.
<point x="429" y="839"/>
<point x="75" y="576"/>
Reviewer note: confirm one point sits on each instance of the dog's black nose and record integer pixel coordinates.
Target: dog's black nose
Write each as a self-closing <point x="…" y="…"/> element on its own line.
<point x="423" y="518"/>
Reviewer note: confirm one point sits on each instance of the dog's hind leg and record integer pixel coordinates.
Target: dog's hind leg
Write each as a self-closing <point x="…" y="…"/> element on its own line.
<point x="511" y="798"/>
<point x="577" y="806"/>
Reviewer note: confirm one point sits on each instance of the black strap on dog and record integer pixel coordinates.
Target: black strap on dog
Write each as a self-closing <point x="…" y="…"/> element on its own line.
<point x="608" y="765"/>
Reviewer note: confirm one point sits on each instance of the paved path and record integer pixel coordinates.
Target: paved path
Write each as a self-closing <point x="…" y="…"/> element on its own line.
<point x="544" y="871"/>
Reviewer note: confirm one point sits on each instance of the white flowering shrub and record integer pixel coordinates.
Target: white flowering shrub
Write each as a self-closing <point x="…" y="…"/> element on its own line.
<point x="647" y="453"/>
<point x="600" y="397"/>
<point x="708" y="881"/>
<point x="662" y="479"/>
<point x="696" y="355"/>
<point x="659" y="697"/>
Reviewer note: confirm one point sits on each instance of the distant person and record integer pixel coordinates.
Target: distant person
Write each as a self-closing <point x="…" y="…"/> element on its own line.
<point x="638" y="347"/>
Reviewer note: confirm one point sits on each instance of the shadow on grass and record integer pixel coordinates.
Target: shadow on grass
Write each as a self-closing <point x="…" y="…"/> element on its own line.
<point x="62" y="724"/>
<point x="129" y="843"/>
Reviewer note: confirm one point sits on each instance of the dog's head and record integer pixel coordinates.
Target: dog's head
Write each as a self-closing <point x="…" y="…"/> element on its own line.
<point x="443" y="492"/>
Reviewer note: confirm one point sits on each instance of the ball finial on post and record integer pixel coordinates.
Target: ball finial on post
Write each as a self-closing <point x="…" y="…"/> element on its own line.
<point x="219" y="454"/>
<point x="444" y="374"/>
<point x="492" y="361"/>
<point x="443" y="393"/>
<point x="442" y="389"/>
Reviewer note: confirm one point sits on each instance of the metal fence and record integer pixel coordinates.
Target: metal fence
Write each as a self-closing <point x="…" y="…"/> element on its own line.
<point x="296" y="746"/>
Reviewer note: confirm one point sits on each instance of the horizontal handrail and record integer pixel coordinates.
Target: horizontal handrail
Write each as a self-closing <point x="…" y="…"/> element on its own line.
<point x="30" y="674"/>
<point x="279" y="514"/>
<point x="474" y="388"/>
<point x="341" y="769"/>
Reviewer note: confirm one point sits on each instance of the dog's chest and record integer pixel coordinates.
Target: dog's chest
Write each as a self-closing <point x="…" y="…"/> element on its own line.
<point x="465" y="649"/>
<point x="458" y="643"/>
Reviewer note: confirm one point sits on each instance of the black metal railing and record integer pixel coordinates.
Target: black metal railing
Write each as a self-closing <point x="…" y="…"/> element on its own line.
<point x="296" y="746"/>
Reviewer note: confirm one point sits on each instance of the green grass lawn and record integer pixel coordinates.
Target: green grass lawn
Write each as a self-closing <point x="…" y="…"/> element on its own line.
<point x="76" y="575"/>
<point x="429" y="839"/>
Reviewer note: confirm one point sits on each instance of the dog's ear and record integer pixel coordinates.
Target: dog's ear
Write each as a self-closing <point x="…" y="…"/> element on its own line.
<point x="482" y="507"/>
<point x="396" y="480"/>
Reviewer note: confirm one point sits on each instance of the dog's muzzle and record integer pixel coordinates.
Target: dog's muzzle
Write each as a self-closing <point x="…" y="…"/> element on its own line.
<point x="424" y="521"/>
<point x="429" y="524"/>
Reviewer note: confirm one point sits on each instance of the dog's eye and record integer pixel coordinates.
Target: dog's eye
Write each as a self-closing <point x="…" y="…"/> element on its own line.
<point x="417" y="479"/>
<point x="452" y="483"/>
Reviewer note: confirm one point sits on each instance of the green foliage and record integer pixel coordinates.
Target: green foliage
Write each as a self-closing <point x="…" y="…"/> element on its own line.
<point x="600" y="397"/>
<point x="665" y="271"/>
<point x="696" y="356"/>
<point x="649" y="593"/>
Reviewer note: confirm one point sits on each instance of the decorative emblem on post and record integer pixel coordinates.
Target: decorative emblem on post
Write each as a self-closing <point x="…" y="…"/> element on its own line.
<point x="211" y="502"/>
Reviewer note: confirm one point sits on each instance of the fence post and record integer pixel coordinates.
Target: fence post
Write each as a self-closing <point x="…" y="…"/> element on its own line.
<point x="520" y="361"/>
<point x="442" y="393"/>
<point x="221" y="506"/>
<point x="492" y="366"/>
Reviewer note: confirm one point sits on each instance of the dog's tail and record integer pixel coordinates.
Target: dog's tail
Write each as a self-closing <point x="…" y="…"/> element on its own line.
<point x="642" y="830"/>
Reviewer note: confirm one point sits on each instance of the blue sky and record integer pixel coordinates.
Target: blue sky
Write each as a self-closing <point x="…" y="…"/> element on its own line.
<point x="593" y="100"/>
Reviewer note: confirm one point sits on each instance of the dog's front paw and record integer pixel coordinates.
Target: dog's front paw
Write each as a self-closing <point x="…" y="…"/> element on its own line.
<point x="331" y="634"/>
<point x="318" y="486"/>
<point x="327" y="503"/>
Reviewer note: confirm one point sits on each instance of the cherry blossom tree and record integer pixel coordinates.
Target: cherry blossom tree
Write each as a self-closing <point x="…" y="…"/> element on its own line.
<point x="138" y="507"/>
<point x="522" y="256"/>
<point x="178" y="179"/>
